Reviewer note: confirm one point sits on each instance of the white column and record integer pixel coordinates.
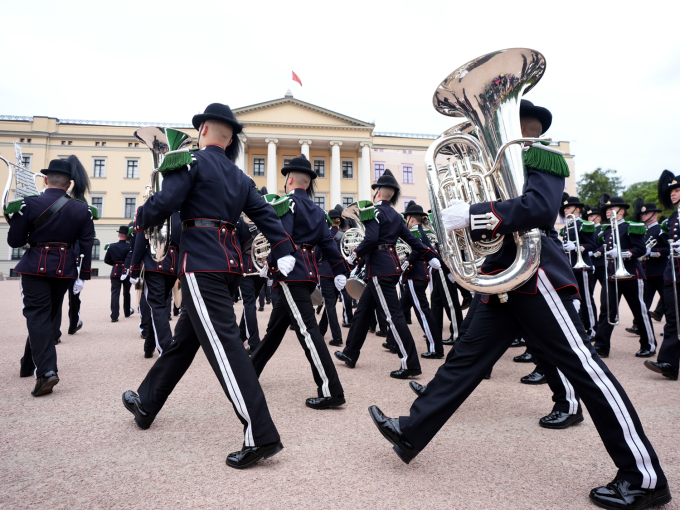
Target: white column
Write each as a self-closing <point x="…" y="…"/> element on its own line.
<point x="336" y="174"/>
<point x="241" y="160"/>
<point x="272" y="171"/>
<point x="305" y="147"/>
<point x="365" y="172"/>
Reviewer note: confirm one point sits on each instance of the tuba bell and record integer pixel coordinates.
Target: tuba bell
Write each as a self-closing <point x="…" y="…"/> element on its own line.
<point x="162" y="142"/>
<point x="485" y="163"/>
<point x="20" y="179"/>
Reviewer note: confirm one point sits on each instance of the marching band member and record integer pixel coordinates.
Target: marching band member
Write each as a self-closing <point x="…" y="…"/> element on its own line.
<point x="598" y="260"/>
<point x="50" y="223"/>
<point x="306" y="225"/>
<point x="384" y="226"/>
<point x="668" y="360"/>
<point x="115" y="256"/>
<point x="211" y="192"/>
<point x="328" y="290"/>
<point x="159" y="279"/>
<point x="545" y="316"/>
<point x="632" y="288"/>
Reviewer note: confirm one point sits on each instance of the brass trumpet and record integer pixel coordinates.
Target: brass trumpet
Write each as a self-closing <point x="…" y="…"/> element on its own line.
<point x="580" y="264"/>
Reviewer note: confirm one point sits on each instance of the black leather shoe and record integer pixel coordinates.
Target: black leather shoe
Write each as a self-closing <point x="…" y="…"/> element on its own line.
<point x="346" y="324"/>
<point x="381" y="333"/>
<point x="57" y="341"/>
<point x="132" y="403"/>
<point x="524" y="358"/>
<point x="148" y="355"/>
<point x="344" y="358"/>
<point x="634" y="330"/>
<point x="389" y="428"/>
<point x="318" y="309"/>
<point x="325" y="402"/>
<point x="601" y="353"/>
<point x="645" y="353"/>
<point x="619" y="494"/>
<point x="657" y="317"/>
<point x="72" y="331"/>
<point x="448" y="341"/>
<point x="371" y="330"/>
<point x="533" y="378"/>
<point x="390" y="347"/>
<point x="405" y="373"/>
<point x="560" y="420"/>
<point x="44" y="384"/>
<point x="132" y="311"/>
<point x="518" y="342"/>
<point x="432" y="355"/>
<point x="114" y="320"/>
<point x="418" y="389"/>
<point x="249" y="455"/>
<point x="487" y="376"/>
<point x="335" y="343"/>
<point x="665" y="369"/>
<point x="467" y="300"/>
<point x="408" y="321"/>
<point x="261" y="309"/>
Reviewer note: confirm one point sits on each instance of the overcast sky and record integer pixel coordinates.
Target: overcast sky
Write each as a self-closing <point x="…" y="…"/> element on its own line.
<point x="612" y="78"/>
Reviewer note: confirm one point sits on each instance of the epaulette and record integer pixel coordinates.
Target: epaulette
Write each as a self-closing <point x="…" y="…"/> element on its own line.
<point x="106" y="247"/>
<point x="177" y="161"/>
<point x="93" y="210"/>
<point x="562" y="231"/>
<point x="637" y="228"/>
<point x="131" y="230"/>
<point x="546" y="160"/>
<point x="281" y="206"/>
<point x="588" y="227"/>
<point x="416" y="232"/>
<point x="600" y="237"/>
<point x="366" y="210"/>
<point x="14" y="206"/>
<point x="271" y="197"/>
<point x="664" y="226"/>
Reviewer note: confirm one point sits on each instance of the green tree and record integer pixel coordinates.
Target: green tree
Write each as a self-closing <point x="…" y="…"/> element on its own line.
<point x="648" y="191"/>
<point x="592" y="184"/>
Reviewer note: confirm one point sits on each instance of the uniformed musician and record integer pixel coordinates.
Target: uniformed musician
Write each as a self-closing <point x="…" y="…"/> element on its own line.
<point x="115" y="256"/>
<point x="211" y="192"/>
<point x="384" y="227"/>
<point x="328" y="290"/>
<point x="50" y="223"/>
<point x="307" y="226"/>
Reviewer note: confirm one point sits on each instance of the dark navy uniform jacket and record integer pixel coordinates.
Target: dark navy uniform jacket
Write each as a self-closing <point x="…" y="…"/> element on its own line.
<point x="212" y="188"/>
<point x="115" y="256"/>
<point x="673" y="235"/>
<point x="536" y="208"/>
<point x="378" y="246"/>
<point x="141" y="253"/>
<point x="72" y="223"/>
<point x="634" y="243"/>
<point x="246" y="235"/>
<point x="655" y="266"/>
<point x="305" y="223"/>
<point x="587" y="240"/>
<point x="325" y="270"/>
<point x="418" y="268"/>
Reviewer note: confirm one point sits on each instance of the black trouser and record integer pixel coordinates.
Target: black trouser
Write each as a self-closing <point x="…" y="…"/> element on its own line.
<point x="157" y="292"/>
<point x="427" y="320"/>
<point x="294" y="306"/>
<point x="550" y="320"/>
<point x="266" y="292"/>
<point x="654" y="284"/>
<point x="588" y="309"/>
<point x="405" y="302"/>
<point x="633" y="291"/>
<point x="115" y="297"/>
<point x="444" y="298"/>
<point x="381" y="292"/>
<point x="330" y="315"/>
<point x="208" y="321"/>
<point x="598" y="276"/>
<point x="42" y="298"/>
<point x="250" y="289"/>
<point x="669" y="351"/>
<point x="73" y="313"/>
<point x="347" y="312"/>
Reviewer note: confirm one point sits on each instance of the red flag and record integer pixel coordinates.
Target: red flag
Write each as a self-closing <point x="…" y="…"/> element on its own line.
<point x="297" y="78"/>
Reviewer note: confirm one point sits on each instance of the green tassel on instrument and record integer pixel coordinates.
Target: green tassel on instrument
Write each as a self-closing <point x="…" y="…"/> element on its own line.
<point x="546" y="162"/>
<point x="176" y="161"/>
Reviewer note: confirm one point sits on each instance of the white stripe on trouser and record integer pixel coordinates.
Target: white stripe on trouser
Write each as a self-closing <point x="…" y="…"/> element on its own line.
<point x="221" y="358"/>
<point x="588" y="299"/>
<point x="245" y="317"/>
<point x="645" y="315"/>
<point x="395" y="333"/>
<point x="452" y="310"/>
<point x="308" y="339"/>
<point x="635" y="444"/>
<point x="569" y="393"/>
<point x="153" y="323"/>
<point x="426" y="326"/>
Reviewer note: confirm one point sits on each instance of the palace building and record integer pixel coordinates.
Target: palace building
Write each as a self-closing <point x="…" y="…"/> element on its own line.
<point x="347" y="154"/>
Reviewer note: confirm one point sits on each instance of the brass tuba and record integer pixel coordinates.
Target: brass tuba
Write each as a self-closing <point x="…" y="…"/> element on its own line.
<point x="485" y="163"/>
<point x="162" y="142"/>
<point x="22" y="179"/>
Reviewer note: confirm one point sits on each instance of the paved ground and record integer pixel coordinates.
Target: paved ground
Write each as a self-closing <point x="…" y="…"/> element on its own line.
<point x="79" y="448"/>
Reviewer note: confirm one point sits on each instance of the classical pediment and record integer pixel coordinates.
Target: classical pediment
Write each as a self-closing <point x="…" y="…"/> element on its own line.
<point x="289" y="111"/>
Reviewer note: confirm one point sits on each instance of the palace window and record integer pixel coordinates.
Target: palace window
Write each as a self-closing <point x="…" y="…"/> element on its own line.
<point x="130" y="207"/>
<point x="321" y="202"/>
<point x="98" y="203"/>
<point x="258" y="167"/>
<point x="132" y="170"/>
<point x="347" y="200"/>
<point x="378" y="170"/>
<point x="407" y="174"/>
<point x="99" y="171"/>
<point x="286" y="162"/>
<point x="348" y="170"/>
<point x="17" y="253"/>
<point x="320" y="167"/>
<point x="26" y="161"/>
<point x="95" y="249"/>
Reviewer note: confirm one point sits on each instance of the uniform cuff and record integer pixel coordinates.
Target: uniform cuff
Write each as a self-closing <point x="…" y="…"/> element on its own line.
<point x="483" y="222"/>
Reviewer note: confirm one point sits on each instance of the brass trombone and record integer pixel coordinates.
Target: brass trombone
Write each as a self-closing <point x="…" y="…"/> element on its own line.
<point x="580" y="264"/>
<point x="620" y="272"/>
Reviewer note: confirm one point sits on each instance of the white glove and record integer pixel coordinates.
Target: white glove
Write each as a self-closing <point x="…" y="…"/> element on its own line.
<point x="590" y="253"/>
<point x="451" y="278"/>
<point x="648" y="252"/>
<point x="405" y="265"/>
<point x="613" y="252"/>
<point x="457" y="215"/>
<point x="352" y="259"/>
<point x="264" y="271"/>
<point x="597" y="254"/>
<point x="676" y="246"/>
<point x="78" y="286"/>
<point x="655" y="254"/>
<point x="626" y="254"/>
<point x="270" y="282"/>
<point x="286" y="264"/>
<point x="435" y="264"/>
<point x="124" y="276"/>
<point x="133" y="281"/>
<point x="340" y="282"/>
<point x="569" y="246"/>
